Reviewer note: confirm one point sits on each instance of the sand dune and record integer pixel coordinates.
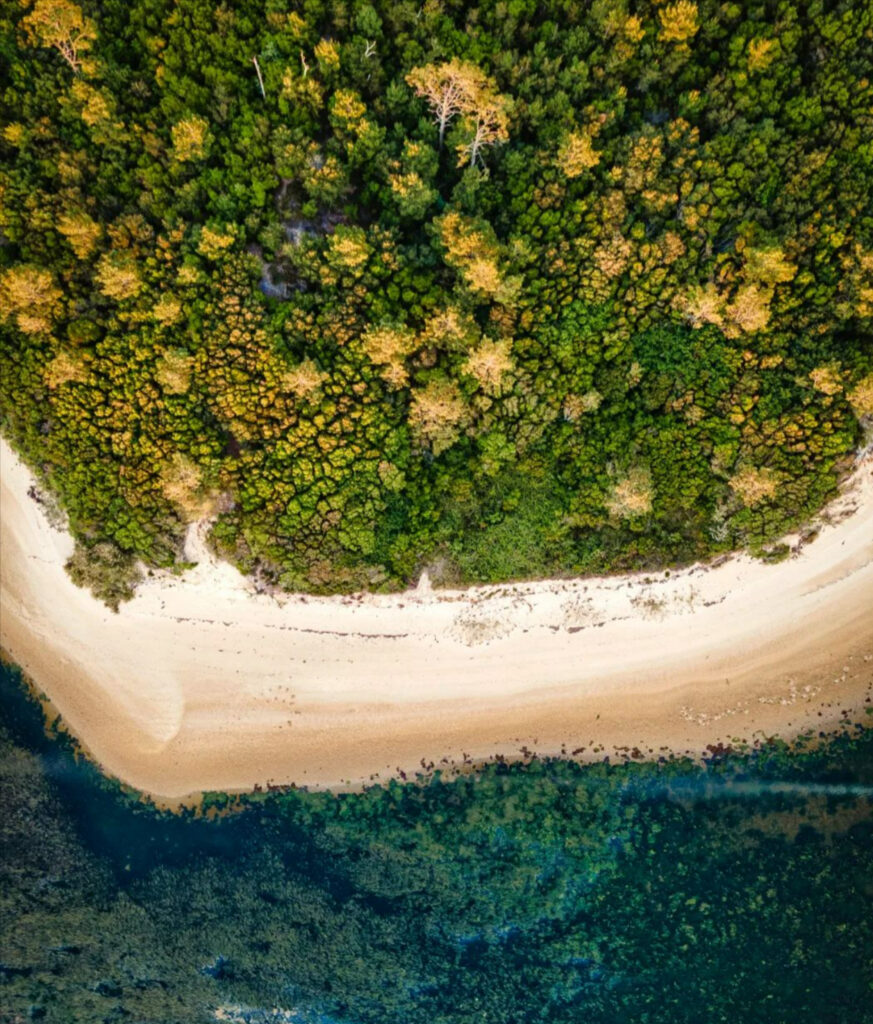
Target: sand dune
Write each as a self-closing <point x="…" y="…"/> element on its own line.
<point x="199" y="683"/>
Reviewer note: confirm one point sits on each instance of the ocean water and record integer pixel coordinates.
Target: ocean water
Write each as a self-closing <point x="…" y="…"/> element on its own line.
<point x="737" y="891"/>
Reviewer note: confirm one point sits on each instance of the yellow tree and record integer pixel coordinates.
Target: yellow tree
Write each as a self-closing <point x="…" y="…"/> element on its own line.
<point x="679" y="22"/>
<point x="29" y="296"/>
<point x="304" y="380"/>
<point x="413" y="194"/>
<point x="173" y="372"/>
<point x="388" y="348"/>
<point x="489" y="363"/>
<point x="436" y="414"/>
<point x="451" y="329"/>
<point x="761" y="53"/>
<point x="576" y="405"/>
<point x="631" y="494"/>
<point x="348" y="249"/>
<point x="473" y="250"/>
<point x="327" y="54"/>
<point x="182" y="484"/>
<point x="80" y="231"/>
<point x="456" y="87"/>
<point x="347" y="112"/>
<point x="749" y="311"/>
<point x="63" y="368"/>
<point x="703" y="305"/>
<point x="167" y="310"/>
<point x="189" y="138"/>
<point x="61" y="25"/>
<point x="577" y="154"/>
<point x="826" y="379"/>
<point x="755" y="484"/>
<point x="94" y="105"/>
<point x="861" y="397"/>
<point x="487" y="120"/>
<point x="768" y="266"/>
<point x="213" y="243"/>
<point x="447" y="87"/>
<point x="119" y="276"/>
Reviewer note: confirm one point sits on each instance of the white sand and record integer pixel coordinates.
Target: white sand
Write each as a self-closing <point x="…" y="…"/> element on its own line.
<point x="199" y="683"/>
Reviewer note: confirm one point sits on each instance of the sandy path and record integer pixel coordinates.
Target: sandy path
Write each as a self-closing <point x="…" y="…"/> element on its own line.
<point x="199" y="683"/>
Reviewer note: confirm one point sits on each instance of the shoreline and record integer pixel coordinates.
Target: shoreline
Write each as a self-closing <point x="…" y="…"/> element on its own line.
<point x="200" y="684"/>
<point x="231" y="800"/>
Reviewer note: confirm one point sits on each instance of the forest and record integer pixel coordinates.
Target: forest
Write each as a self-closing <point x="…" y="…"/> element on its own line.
<point x="665" y="893"/>
<point x="495" y="290"/>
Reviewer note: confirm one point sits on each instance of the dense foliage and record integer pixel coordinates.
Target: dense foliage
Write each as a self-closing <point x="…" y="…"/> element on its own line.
<point x="546" y="892"/>
<point x="522" y="287"/>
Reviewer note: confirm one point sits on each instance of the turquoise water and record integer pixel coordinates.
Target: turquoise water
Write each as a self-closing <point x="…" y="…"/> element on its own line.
<point x="548" y="892"/>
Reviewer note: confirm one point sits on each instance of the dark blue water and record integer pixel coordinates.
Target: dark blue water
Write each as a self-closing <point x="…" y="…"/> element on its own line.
<point x="547" y="892"/>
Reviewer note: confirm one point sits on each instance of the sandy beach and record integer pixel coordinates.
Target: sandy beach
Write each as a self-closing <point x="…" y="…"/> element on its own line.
<point x="201" y="684"/>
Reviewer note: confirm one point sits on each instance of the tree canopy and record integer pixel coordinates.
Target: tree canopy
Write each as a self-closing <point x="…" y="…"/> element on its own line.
<point x="500" y="290"/>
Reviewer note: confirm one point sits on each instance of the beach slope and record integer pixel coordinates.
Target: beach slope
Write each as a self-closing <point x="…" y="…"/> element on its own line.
<point x="199" y="683"/>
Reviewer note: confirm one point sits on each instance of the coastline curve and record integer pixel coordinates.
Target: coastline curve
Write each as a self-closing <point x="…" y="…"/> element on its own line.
<point x="200" y="684"/>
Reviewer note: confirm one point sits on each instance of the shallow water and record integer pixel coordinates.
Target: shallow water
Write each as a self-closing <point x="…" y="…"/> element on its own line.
<point x="549" y="892"/>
